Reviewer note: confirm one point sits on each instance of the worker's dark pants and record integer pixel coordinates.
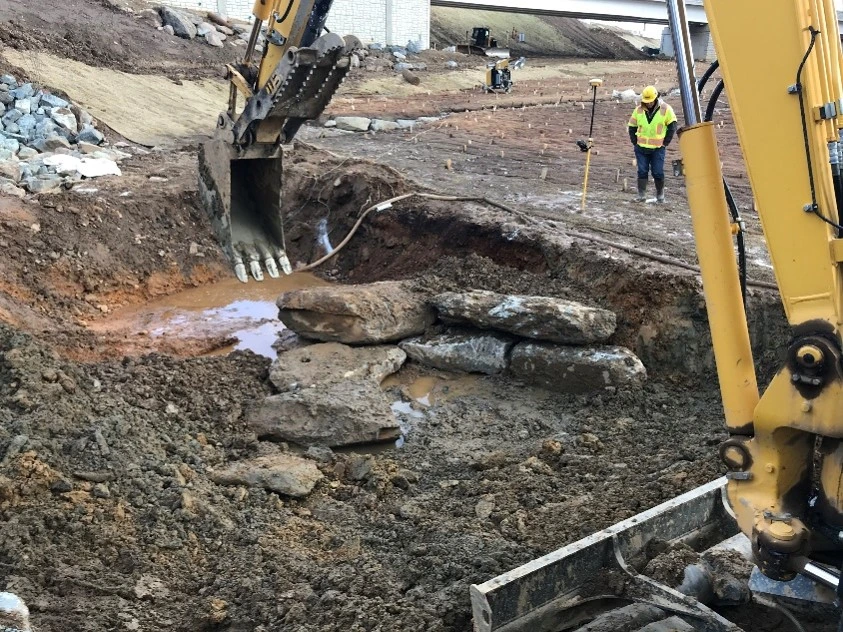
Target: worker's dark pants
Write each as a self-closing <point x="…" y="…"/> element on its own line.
<point x="650" y="160"/>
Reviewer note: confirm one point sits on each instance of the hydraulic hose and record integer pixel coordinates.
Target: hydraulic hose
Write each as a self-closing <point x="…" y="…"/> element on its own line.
<point x="730" y="200"/>
<point x="707" y="75"/>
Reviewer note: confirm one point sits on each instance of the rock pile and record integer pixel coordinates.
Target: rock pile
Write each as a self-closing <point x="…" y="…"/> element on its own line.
<point x="212" y="28"/>
<point x="547" y="342"/>
<point x="329" y="393"/>
<point x="46" y="141"/>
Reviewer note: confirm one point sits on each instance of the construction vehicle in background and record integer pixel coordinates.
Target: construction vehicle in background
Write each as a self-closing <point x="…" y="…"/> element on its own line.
<point x="481" y="42"/>
<point x="779" y="508"/>
<point x="270" y="97"/>
<point x="499" y="75"/>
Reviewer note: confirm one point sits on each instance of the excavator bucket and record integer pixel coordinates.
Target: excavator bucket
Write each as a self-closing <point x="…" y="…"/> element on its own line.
<point x="241" y="192"/>
<point x="575" y="587"/>
<point x="600" y="583"/>
<point x="240" y="169"/>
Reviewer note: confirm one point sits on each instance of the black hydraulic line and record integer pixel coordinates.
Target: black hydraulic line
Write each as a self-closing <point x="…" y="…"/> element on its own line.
<point x="707" y="75"/>
<point x="797" y="88"/>
<point x="712" y="102"/>
<point x="730" y="200"/>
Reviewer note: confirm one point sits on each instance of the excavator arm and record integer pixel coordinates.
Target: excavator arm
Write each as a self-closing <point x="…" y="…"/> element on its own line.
<point x="781" y="502"/>
<point x="784" y="455"/>
<point x="270" y="98"/>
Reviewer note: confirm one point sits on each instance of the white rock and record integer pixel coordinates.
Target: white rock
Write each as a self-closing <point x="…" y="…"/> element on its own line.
<point x="65" y="119"/>
<point x="353" y="123"/>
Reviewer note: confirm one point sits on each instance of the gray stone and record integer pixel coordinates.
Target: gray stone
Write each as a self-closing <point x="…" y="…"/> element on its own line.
<point x="451" y="64"/>
<point x="402" y="66"/>
<point x="90" y="135"/>
<point x="6" y="98"/>
<point x="12" y="116"/>
<point x="356" y="314"/>
<point x="576" y="369"/>
<point x="471" y="353"/>
<point x="332" y="362"/>
<point x="5" y="154"/>
<point x="285" y="474"/>
<point x="399" y="56"/>
<point x="418" y="66"/>
<point x="27" y="153"/>
<point x="44" y="184"/>
<point x="406" y="123"/>
<point x="330" y="123"/>
<point x="225" y="30"/>
<point x="379" y="125"/>
<point x="65" y="119"/>
<point x="12" y="128"/>
<point x="375" y="46"/>
<point x="51" y="143"/>
<point x="24" y="106"/>
<point x="10" y="144"/>
<point x="414" y="48"/>
<point x="537" y="317"/>
<point x="24" y="91"/>
<point x="9" y="80"/>
<point x="215" y="39"/>
<point x="353" y="123"/>
<point x="168" y="30"/>
<point x="204" y="28"/>
<point x="344" y="413"/>
<point x="27" y="124"/>
<point x="181" y="24"/>
<point x="53" y="101"/>
<point x="428" y="119"/>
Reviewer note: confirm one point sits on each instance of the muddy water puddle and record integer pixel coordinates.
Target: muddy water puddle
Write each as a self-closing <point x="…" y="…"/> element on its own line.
<point x="242" y="314"/>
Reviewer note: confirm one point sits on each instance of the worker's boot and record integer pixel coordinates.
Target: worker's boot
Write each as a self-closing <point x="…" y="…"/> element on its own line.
<point x="660" y="191"/>
<point x="642" y="190"/>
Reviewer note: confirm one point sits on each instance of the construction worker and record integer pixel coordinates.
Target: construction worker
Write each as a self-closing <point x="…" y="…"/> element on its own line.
<point x="651" y="129"/>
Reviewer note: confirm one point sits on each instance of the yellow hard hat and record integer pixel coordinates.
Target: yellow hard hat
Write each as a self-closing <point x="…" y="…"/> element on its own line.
<point x="649" y="94"/>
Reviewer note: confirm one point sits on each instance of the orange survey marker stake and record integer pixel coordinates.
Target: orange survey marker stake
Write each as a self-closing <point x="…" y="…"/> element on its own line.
<point x="586" y="145"/>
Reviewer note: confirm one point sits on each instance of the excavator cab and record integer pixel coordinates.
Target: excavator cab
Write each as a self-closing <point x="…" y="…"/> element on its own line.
<point x="240" y="168"/>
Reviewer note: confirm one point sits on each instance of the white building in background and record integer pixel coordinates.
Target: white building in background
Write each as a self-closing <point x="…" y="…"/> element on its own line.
<point x="382" y="21"/>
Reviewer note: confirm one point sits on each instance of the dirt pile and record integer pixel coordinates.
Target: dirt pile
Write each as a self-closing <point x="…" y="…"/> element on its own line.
<point x="544" y="35"/>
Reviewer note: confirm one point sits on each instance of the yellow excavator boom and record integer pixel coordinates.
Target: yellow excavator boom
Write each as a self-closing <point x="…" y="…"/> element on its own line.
<point x="240" y="168"/>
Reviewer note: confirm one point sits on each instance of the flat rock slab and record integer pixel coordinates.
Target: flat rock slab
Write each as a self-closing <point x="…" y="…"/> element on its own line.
<point x="353" y="123"/>
<point x="537" y="317"/>
<point x="576" y="369"/>
<point x="332" y="362"/>
<point x="283" y="473"/>
<point x="356" y="314"/>
<point x="471" y="353"/>
<point x="343" y="413"/>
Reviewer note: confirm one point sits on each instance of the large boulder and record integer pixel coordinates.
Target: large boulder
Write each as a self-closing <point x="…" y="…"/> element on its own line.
<point x="182" y="25"/>
<point x="332" y="362"/>
<point x="356" y="314"/>
<point x="537" y="317"/>
<point x="282" y="473"/>
<point x="333" y="414"/>
<point x="469" y="352"/>
<point x="576" y="369"/>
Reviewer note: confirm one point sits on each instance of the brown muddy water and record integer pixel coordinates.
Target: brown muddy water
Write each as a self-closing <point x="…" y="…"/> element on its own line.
<point x="243" y="314"/>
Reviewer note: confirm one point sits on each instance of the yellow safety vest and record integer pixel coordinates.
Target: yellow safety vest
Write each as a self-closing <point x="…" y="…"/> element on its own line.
<point x="651" y="133"/>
